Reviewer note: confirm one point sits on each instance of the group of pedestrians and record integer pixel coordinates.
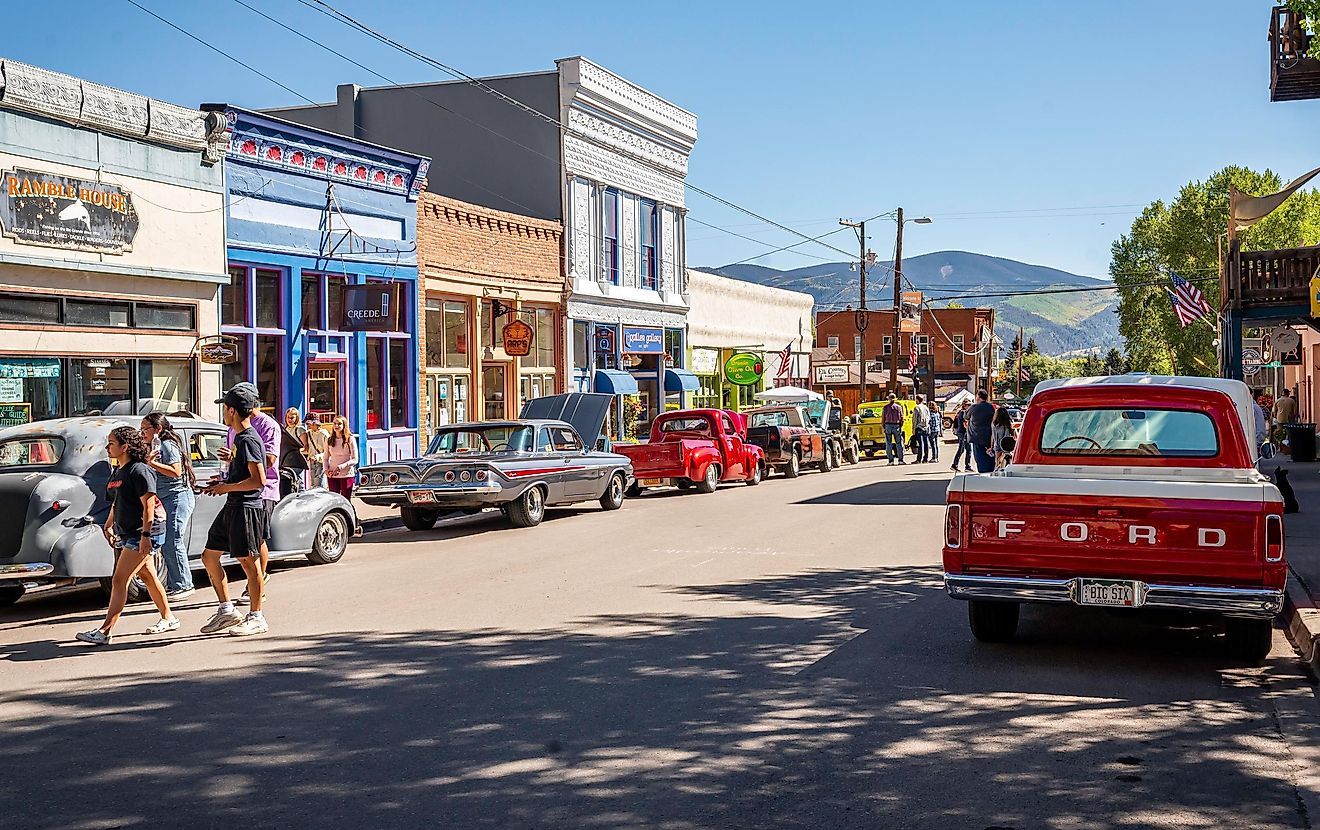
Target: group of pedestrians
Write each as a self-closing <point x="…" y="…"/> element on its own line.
<point x="152" y="495"/>
<point x="981" y="429"/>
<point x="927" y="427"/>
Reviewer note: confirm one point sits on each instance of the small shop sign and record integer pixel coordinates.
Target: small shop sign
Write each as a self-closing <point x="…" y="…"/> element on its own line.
<point x="64" y="212"/>
<point x="218" y="351"/>
<point x="832" y="374"/>
<point x="744" y="368"/>
<point x="705" y="361"/>
<point x="517" y="339"/>
<point x="643" y="341"/>
<point x="371" y="307"/>
<point x="15" y="414"/>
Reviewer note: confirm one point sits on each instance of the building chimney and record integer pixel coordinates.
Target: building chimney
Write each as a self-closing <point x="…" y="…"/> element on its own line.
<point x="346" y="113"/>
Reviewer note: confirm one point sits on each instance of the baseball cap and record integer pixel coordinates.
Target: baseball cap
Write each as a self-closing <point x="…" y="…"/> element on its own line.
<point x="241" y="396"/>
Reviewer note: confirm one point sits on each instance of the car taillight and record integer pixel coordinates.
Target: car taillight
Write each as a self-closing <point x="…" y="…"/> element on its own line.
<point x="1273" y="538"/>
<point x="481" y="475"/>
<point x="953" y="525"/>
<point x="60" y="504"/>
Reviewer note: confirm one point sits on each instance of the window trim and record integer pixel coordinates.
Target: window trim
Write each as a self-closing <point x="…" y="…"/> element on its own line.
<point x="611" y="250"/>
<point x="62" y="302"/>
<point x="648" y="275"/>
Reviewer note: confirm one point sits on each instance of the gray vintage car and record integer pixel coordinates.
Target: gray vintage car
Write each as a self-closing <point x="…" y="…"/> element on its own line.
<point x="52" y="505"/>
<point x="520" y="466"/>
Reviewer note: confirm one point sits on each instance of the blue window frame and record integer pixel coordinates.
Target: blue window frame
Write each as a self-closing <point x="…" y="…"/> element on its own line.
<point x="611" y="211"/>
<point x="649" y="232"/>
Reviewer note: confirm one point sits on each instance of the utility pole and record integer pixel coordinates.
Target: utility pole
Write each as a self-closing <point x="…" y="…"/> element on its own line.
<point x="898" y="304"/>
<point x="862" y="317"/>
<point x="1019" y="363"/>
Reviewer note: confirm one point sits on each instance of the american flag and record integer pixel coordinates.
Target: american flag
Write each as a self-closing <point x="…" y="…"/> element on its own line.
<point x="1023" y="373"/>
<point x="1188" y="302"/>
<point x="912" y="353"/>
<point x="785" y="363"/>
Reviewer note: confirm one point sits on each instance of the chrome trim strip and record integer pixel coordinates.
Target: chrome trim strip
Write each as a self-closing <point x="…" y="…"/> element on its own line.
<point x="437" y="487"/>
<point x="1250" y="602"/>
<point x="26" y="570"/>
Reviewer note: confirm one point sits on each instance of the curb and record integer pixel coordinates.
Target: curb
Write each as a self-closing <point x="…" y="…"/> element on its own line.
<point x="380" y="523"/>
<point x="1302" y="621"/>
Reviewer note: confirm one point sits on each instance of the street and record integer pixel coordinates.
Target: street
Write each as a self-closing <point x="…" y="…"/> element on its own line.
<point x="772" y="656"/>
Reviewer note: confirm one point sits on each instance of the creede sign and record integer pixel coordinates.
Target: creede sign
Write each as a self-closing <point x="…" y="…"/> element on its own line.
<point x="63" y="212"/>
<point x="517" y="339"/>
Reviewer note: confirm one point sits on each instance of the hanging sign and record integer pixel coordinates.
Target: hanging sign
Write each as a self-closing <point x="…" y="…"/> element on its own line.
<point x="371" y="307"/>
<point x="63" y="212"/>
<point x="1250" y="361"/>
<point x="744" y="368"/>
<point x="605" y="341"/>
<point x="705" y="361"/>
<point x="517" y="339"/>
<point x="218" y="351"/>
<point x="909" y="311"/>
<point x="832" y="374"/>
<point x="1284" y="339"/>
<point x="643" y="341"/>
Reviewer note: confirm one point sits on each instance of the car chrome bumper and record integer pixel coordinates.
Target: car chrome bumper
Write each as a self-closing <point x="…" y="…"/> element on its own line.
<point x="26" y="570"/>
<point x="1244" y="602"/>
<point x="443" y="493"/>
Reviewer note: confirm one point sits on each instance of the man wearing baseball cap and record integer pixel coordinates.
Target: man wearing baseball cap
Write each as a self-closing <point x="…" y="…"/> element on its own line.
<point x="241" y="525"/>
<point x="268" y="430"/>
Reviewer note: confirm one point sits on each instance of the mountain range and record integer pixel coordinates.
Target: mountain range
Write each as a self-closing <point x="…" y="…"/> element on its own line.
<point x="1060" y="322"/>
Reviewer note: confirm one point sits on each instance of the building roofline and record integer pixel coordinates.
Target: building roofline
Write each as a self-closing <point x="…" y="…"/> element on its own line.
<point x="349" y="142"/>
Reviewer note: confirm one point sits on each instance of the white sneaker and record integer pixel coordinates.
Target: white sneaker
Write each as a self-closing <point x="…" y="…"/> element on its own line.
<point x="164" y="625"/>
<point x="247" y="600"/>
<point x="252" y="625"/>
<point x="221" y="621"/>
<point x="95" y="637"/>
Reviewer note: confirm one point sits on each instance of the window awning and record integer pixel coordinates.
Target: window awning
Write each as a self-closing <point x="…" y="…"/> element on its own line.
<point x="680" y="380"/>
<point x="615" y="382"/>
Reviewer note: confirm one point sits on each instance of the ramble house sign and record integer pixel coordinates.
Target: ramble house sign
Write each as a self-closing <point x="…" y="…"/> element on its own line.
<point x="64" y="212"/>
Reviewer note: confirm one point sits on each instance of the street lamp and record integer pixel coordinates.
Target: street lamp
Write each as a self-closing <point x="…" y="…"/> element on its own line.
<point x="898" y="295"/>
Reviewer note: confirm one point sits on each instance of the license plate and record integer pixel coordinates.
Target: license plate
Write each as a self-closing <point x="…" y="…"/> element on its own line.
<point x="653" y="482"/>
<point x="1121" y="593"/>
<point x="421" y="497"/>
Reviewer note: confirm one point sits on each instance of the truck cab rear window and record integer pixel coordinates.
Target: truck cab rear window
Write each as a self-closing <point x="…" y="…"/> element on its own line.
<point x="1167" y="433"/>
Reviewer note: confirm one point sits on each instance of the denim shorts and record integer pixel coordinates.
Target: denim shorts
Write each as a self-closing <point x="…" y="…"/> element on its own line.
<point x="134" y="540"/>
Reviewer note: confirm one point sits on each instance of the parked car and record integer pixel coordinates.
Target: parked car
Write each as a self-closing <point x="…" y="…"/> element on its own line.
<point x="871" y="427"/>
<point x="788" y="439"/>
<point x="520" y="466"/>
<point x="53" y="477"/>
<point x="825" y="416"/>
<point x="1124" y="492"/>
<point x="695" y="447"/>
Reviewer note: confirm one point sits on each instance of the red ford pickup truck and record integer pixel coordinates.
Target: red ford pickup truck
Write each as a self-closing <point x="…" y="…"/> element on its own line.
<point x="700" y="447"/>
<point x="1125" y="492"/>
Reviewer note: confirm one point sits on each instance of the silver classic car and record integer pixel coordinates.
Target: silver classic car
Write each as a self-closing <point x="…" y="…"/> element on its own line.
<point x="52" y="505"/>
<point x="520" y="466"/>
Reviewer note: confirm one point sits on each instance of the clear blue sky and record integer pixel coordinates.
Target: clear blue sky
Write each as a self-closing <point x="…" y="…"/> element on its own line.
<point x="806" y="113"/>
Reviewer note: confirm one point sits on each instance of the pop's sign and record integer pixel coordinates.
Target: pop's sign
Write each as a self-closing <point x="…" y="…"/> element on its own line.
<point x="517" y="339"/>
<point x="64" y="212"/>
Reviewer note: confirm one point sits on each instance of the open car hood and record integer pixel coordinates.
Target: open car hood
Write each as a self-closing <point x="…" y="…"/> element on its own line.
<point x="585" y="411"/>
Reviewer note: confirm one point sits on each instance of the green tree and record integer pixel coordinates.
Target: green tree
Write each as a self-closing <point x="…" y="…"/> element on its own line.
<point x="1185" y="236"/>
<point x="1309" y="11"/>
<point x="1090" y="366"/>
<point x="1114" y="364"/>
<point x="1031" y="346"/>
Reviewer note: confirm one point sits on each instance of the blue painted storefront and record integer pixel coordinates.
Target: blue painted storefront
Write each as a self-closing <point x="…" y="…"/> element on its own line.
<point x="308" y="212"/>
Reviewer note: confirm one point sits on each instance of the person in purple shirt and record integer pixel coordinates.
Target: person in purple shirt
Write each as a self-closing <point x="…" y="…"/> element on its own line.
<point x="269" y="431"/>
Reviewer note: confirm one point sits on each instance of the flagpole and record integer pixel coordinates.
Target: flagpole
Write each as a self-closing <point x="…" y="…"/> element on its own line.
<point x="1021" y="332"/>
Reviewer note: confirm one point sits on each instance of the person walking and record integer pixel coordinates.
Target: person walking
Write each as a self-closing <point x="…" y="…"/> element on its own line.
<point x="921" y="429"/>
<point x="240" y="526"/>
<point x="293" y="453"/>
<point x="964" y="452"/>
<point x="934" y="432"/>
<point x="1285" y="408"/>
<point x="1262" y="424"/>
<point x="341" y="458"/>
<point x="1001" y="427"/>
<point x="172" y="463"/>
<point x="134" y="529"/>
<point x="316" y="446"/>
<point x="979" y="418"/>
<point x="268" y="430"/>
<point x="892" y="418"/>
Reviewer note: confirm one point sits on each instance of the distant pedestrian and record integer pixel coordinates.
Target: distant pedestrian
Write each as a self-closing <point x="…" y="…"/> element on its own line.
<point x="1285" y="408"/>
<point x="921" y="429"/>
<point x="341" y="458"/>
<point x="1262" y="425"/>
<point x="134" y="528"/>
<point x="316" y="447"/>
<point x="293" y="453"/>
<point x="892" y="416"/>
<point x="979" y="417"/>
<point x="1001" y="427"/>
<point x="171" y="461"/>
<point x="964" y="453"/>
<point x="935" y="431"/>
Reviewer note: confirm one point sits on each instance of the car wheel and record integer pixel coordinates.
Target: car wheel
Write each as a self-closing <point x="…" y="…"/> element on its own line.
<point x="757" y="475"/>
<point x="992" y="622"/>
<point x="529" y="508"/>
<point x="794" y="465"/>
<point x="418" y="518"/>
<point x="710" y="480"/>
<point x="851" y="454"/>
<point x="1249" y="640"/>
<point x="826" y="462"/>
<point x="613" y="497"/>
<point x="10" y="594"/>
<point x="331" y="539"/>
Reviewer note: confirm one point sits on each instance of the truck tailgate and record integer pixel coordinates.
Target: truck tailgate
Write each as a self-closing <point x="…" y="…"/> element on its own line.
<point x="1157" y="531"/>
<point x="662" y="460"/>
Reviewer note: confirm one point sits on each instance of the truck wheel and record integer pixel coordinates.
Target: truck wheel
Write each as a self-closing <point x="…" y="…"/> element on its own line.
<point x="528" y="509"/>
<point x="851" y="454"/>
<point x="331" y="539"/>
<point x="756" y="476"/>
<point x="827" y="460"/>
<point x="417" y="518"/>
<point x="1249" y="640"/>
<point x="612" y="499"/>
<point x="794" y="465"/>
<point x="710" y="480"/>
<point x="10" y="594"/>
<point x="992" y="622"/>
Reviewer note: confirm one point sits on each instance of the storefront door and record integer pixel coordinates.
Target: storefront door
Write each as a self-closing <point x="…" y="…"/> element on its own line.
<point x="495" y="392"/>
<point x="325" y="390"/>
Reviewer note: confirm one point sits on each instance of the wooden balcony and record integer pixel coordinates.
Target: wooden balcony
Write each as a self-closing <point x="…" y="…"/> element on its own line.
<point x="1293" y="75"/>
<point x="1272" y="279"/>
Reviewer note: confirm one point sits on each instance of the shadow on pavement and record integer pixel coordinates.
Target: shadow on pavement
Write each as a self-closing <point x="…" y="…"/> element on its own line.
<point x="836" y="698"/>
<point x="903" y="491"/>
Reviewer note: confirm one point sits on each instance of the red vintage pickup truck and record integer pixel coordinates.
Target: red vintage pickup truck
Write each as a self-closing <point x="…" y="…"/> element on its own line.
<point x="700" y="447"/>
<point x="1125" y="492"/>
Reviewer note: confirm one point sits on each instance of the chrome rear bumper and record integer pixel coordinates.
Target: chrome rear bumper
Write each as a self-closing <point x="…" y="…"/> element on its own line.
<point x="1240" y="602"/>
<point x="26" y="570"/>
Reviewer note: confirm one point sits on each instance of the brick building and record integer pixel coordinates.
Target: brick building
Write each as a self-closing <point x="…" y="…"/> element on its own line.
<point x="472" y="262"/>
<point x="946" y="346"/>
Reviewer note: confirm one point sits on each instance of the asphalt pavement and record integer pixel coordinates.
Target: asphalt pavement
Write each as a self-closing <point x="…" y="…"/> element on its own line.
<point x="779" y="656"/>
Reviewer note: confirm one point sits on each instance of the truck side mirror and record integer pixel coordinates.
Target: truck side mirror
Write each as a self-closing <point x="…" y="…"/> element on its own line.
<point x="1008" y="443"/>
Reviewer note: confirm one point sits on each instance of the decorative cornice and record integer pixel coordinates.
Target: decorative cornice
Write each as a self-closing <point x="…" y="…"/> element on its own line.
<point x="606" y="86"/>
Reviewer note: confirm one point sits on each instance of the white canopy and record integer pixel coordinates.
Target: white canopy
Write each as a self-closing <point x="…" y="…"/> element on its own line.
<point x="788" y="394"/>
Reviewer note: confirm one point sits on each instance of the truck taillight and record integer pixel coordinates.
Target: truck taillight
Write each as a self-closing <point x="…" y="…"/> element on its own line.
<point x="1273" y="538"/>
<point x="953" y="526"/>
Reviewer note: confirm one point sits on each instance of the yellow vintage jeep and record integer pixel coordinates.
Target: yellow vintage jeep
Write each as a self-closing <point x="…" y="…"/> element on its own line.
<point x="871" y="426"/>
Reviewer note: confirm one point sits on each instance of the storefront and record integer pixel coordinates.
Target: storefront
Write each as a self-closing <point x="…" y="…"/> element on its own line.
<point x="321" y="300"/>
<point x="111" y="249"/>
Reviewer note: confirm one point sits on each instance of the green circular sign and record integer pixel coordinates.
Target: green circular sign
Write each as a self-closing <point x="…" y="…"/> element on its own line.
<point x="744" y="368"/>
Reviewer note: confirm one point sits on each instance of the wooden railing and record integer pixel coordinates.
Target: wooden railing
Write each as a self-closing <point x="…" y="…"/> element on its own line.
<point x="1274" y="278"/>
<point x="1293" y="75"/>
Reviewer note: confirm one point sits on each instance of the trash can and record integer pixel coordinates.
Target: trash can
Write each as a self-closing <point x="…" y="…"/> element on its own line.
<point x="1301" y="440"/>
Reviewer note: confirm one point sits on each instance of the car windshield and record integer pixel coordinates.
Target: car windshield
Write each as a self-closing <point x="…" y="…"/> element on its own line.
<point x="495" y="438"/>
<point x="769" y="419"/>
<point x="816" y="412"/>
<point x="1169" y="433"/>
<point x="31" y="451"/>
<point x="685" y="425"/>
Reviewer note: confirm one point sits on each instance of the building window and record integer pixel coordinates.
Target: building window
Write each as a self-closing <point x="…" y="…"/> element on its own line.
<point x="40" y="388"/>
<point x="674" y="347"/>
<point x="456" y="335"/>
<point x="99" y="385"/>
<point x="832" y="341"/>
<point x="161" y="316"/>
<point x="649" y="232"/>
<point x="267" y="298"/>
<point x="581" y="346"/>
<point x="399" y="374"/>
<point x="165" y="385"/>
<point x="611" y="210"/>
<point x="237" y="372"/>
<point x="857" y="346"/>
<point x="93" y="313"/>
<point x="375" y="391"/>
<point x="887" y="348"/>
<point x="27" y="309"/>
<point x="334" y="295"/>
<point x="537" y="385"/>
<point x="270" y="351"/>
<point x="233" y="297"/>
<point x="18" y="308"/>
<point x="542" y="321"/>
<point x="486" y="334"/>
<point x="958" y="357"/>
<point x="390" y="372"/>
<point x="311" y="302"/>
<point x="923" y="343"/>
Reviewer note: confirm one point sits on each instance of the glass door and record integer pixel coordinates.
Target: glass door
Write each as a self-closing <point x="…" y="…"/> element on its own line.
<point x="325" y="390"/>
<point x="494" y="391"/>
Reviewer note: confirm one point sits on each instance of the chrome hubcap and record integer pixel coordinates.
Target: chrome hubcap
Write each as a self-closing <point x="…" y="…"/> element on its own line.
<point x="331" y="536"/>
<point x="534" y="502"/>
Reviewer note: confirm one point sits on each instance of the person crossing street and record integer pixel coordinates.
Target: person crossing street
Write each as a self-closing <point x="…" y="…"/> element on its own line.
<point x="921" y="430"/>
<point x="964" y="452"/>
<point x="892" y="417"/>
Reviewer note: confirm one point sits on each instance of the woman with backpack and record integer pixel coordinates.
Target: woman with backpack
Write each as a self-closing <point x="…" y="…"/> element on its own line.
<point x="171" y="461"/>
<point x="1001" y="427"/>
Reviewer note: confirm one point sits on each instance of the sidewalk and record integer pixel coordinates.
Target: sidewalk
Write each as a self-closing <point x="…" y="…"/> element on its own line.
<point x="1302" y="529"/>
